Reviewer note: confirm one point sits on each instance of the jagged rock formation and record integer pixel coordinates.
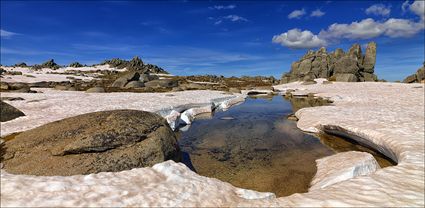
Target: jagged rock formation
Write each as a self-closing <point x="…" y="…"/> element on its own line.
<point x="418" y="77"/>
<point x="75" y="65"/>
<point x="135" y="64"/>
<point x="21" y="64"/>
<point x="48" y="64"/>
<point x="337" y="65"/>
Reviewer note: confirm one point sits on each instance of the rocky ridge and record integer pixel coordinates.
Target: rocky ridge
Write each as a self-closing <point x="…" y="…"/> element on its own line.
<point x="338" y="65"/>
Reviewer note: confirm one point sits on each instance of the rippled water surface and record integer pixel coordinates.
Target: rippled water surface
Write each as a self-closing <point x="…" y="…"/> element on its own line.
<point x="254" y="146"/>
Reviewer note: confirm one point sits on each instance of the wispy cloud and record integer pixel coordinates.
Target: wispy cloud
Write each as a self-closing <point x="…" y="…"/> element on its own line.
<point x="379" y="10"/>
<point x="296" y="14"/>
<point x="223" y="7"/>
<point x="7" y="34"/>
<point x="31" y="52"/>
<point x="231" y="18"/>
<point x="317" y="13"/>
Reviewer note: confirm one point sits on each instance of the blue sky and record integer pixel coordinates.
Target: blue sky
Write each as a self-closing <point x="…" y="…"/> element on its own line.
<point x="212" y="37"/>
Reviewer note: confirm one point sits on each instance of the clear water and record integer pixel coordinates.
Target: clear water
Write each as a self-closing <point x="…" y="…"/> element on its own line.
<point x="254" y="146"/>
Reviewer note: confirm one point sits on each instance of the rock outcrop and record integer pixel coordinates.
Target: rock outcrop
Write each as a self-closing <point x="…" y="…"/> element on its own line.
<point x="8" y="112"/>
<point x="107" y="141"/>
<point x="418" y="77"/>
<point x="352" y="66"/>
<point x="48" y="64"/>
<point x="135" y="64"/>
<point x="75" y="65"/>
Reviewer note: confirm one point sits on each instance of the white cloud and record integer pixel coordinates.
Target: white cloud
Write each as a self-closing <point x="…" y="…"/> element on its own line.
<point x="358" y="30"/>
<point x="6" y="34"/>
<point x="379" y="10"/>
<point x="418" y="7"/>
<point x="220" y="7"/>
<point x="296" y="14"/>
<point x="369" y="28"/>
<point x="298" y="39"/>
<point x="317" y="13"/>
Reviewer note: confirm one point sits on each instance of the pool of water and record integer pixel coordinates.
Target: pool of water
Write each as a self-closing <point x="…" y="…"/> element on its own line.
<point x="254" y="146"/>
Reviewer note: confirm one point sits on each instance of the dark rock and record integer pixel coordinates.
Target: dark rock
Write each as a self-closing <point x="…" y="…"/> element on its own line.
<point x="124" y="79"/>
<point x="39" y="84"/>
<point x="21" y="64"/>
<point x="108" y="141"/>
<point x="8" y="112"/>
<point x="11" y="98"/>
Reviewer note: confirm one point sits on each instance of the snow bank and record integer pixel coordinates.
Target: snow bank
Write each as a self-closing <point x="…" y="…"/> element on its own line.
<point x="45" y="74"/>
<point x="53" y="105"/>
<point x="388" y="115"/>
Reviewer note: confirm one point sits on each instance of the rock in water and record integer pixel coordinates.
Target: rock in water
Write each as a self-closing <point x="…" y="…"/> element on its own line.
<point x="8" y="112"/>
<point x="107" y="141"/>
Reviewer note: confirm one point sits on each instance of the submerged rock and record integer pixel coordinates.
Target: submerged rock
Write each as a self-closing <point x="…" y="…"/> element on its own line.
<point x="8" y="112"/>
<point x="107" y="141"/>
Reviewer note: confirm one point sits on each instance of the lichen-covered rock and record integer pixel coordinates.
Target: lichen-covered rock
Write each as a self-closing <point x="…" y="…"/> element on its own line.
<point x="345" y="78"/>
<point x="125" y="78"/>
<point x="21" y="64"/>
<point x="107" y="141"/>
<point x="321" y="64"/>
<point x="8" y="112"/>
<point x="370" y="58"/>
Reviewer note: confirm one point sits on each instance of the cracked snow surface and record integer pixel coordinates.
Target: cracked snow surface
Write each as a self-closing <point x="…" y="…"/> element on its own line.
<point x="386" y="116"/>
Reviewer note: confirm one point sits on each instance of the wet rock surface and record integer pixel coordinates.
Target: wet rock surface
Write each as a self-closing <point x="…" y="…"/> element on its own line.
<point x="107" y="141"/>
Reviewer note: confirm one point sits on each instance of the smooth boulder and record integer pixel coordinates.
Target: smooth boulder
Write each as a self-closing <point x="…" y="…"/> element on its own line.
<point x="107" y="141"/>
<point x="162" y="83"/>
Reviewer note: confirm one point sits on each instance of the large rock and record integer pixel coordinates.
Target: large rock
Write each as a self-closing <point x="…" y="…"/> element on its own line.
<point x="162" y="83"/>
<point x="135" y="64"/>
<point x="321" y="64"/>
<point x="134" y="84"/>
<point x="124" y="79"/>
<point x="346" y="64"/>
<point x="346" y="78"/>
<point x="370" y="58"/>
<point x="107" y="141"/>
<point x="8" y="112"/>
